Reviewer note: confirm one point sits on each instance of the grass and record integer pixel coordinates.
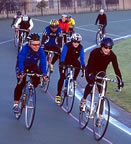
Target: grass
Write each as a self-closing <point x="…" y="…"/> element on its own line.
<point x="123" y="51"/>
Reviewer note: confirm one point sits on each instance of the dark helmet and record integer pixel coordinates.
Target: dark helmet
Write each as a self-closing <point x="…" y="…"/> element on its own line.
<point x="19" y="12"/>
<point x="107" y="41"/>
<point x="69" y="16"/>
<point x="33" y="37"/>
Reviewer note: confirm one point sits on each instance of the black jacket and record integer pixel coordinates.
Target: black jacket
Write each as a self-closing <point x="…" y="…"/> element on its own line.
<point x="102" y="19"/>
<point x="98" y="61"/>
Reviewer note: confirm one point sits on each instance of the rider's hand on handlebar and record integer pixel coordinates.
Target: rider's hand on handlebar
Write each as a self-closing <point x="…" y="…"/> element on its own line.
<point x="28" y="30"/>
<point x="20" y="75"/>
<point x="45" y="77"/>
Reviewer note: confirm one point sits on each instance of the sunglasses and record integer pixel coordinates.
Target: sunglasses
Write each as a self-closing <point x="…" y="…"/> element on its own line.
<point x="76" y="41"/>
<point x="107" y="47"/>
<point x="35" y="44"/>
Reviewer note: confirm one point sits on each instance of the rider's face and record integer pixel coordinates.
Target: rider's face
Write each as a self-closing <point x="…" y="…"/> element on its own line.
<point x="106" y="50"/>
<point x="35" y="45"/>
<point x="75" y="44"/>
<point x="54" y="29"/>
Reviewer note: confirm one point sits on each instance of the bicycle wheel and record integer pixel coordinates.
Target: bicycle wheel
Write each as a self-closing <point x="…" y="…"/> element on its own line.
<point x="98" y="38"/>
<point x="69" y="99"/>
<point x="84" y="118"/>
<point x="46" y="84"/>
<point x="20" y="105"/>
<point x="100" y="127"/>
<point x="30" y="107"/>
<point x="16" y="40"/>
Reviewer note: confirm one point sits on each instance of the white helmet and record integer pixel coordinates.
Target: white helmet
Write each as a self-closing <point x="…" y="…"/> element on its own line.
<point x="101" y="10"/>
<point x="64" y="15"/>
<point x="76" y="37"/>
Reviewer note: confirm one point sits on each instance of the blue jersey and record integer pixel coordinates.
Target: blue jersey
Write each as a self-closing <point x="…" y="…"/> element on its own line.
<point x="28" y="59"/>
<point x="70" y="54"/>
<point x="50" y="38"/>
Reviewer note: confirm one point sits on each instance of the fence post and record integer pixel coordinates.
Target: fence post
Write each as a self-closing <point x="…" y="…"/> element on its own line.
<point x="123" y="4"/>
<point x="58" y="3"/>
<point x="103" y="2"/>
<point x="74" y="6"/>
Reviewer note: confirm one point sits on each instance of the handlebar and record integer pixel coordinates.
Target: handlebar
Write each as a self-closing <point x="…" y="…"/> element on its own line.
<point x="48" y="51"/>
<point x="24" y="30"/>
<point x="111" y="80"/>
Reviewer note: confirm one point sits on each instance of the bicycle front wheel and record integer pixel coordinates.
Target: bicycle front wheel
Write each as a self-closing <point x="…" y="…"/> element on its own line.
<point x="98" y="38"/>
<point x="30" y="107"/>
<point x="101" y="119"/>
<point x="70" y="97"/>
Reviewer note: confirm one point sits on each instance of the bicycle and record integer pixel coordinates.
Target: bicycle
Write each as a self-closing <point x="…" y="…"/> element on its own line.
<point x="45" y="84"/>
<point x="99" y="34"/>
<point x="22" y="38"/>
<point x="68" y="90"/>
<point x="97" y="109"/>
<point x="28" y="101"/>
<point x="16" y="38"/>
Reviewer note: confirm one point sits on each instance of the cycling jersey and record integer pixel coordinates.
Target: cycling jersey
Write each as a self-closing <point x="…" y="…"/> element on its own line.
<point x="27" y="59"/>
<point x="102" y="19"/>
<point x="50" y="38"/>
<point x="98" y="61"/>
<point x="70" y="54"/>
<point x="71" y="23"/>
<point x="64" y="26"/>
<point x="24" y="24"/>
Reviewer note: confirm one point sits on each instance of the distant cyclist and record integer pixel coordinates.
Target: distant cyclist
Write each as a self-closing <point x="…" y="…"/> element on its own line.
<point x="16" y="17"/>
<point x="71" y="23"/>
<point x="32" y="58"/>
<point x="71" y="52"/>
<point x="52" y="39"/>
<point x="63" y="24"/>
<point x="26" y="23"/>
<point x="102" y="18"/>
<point x="98" y="61"/>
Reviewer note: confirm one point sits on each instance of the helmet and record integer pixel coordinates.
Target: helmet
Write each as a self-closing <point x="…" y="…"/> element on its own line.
<point x="64" y="15"/>
<point x="69" y="16"/>
<point x="76" y="37"/>
<point x="107" y="41"/>
<point x="54" y="23"/>
<point x="25" y="18"/>
<point x="101" y="10"/>
<point x="19" y="12"/>
<point x="33" y="37"/>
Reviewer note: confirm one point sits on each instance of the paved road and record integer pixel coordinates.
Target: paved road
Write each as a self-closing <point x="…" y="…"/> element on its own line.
<point x="52" y="125"/>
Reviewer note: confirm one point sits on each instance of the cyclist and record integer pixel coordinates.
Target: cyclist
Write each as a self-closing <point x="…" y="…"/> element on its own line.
<point x="71" y="23"/>
<point x="25" y="23"/>
<point x="63" y="24"/>
<point x="102" y="18"/>
<point x="98" y="61"/>
<point x="69" y="56"/>
<point x="31" y="58"/>
<point x="16" y="17"/>
<point x="52" y="39"/>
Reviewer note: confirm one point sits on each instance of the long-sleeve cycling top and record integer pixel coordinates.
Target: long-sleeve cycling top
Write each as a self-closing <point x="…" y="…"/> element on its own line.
<point x="24" y="24"/>
<point x="31" y="60"/>
<point x="71" y="23"/>
<point x="102" y="19"/>
<point x="64" y="26"/>
<point x="98" y="61"/>
<point x="50" y="38"/>
<point x="70" y="54"/>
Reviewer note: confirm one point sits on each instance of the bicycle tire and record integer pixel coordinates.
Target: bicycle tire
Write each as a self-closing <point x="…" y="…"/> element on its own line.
<point x="30" y="106"/>
<point x="98" y="38"/>
<point x="70" y="95"/>
<point x="20" y="105"/>
<point x="46" y="84"/>
<point x="106" y="115"/>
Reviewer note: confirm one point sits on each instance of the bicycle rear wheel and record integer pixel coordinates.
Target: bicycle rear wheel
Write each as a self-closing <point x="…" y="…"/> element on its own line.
<point x="16" y="40"/>
<point x="30" y="107"/>
<point x="70" y="96"/>
<point x="100" y="127"/>
<point x="46" y="84"/>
